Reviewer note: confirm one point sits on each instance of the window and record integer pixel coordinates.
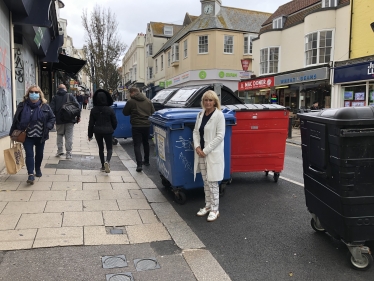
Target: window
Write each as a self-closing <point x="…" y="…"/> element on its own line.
<point x="269" y="59"/>
<point x="278" y="22"/>
<point x="149" y="73"/>
<point x="329" y="3"/>
<point x="156" y="66"/>
<point x="228" y="47"/>
<point x="185" y="48"/>
<point x="175" y="52"/>
<point x="203" y="44"/>
<point x="162" y="62"/>
<point x="318" y="47"/>
<point x="149" y="50"/>
<point x="169" y="58"/>
<point x="248" y="44"/>
<point x="168" y="30"/>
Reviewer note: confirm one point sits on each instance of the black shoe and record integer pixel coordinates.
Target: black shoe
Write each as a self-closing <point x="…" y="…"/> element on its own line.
<point x="38" y="173"/>
<point x="146" y="163"/>
<point x="31" y="179"/>
<point x="102" y="169"/>
<point x="139" y="168"/>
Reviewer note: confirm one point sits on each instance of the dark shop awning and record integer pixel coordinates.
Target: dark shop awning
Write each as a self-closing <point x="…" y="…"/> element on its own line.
<point x="69" y="65"/>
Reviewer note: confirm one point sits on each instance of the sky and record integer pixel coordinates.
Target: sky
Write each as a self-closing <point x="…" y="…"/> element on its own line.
<point x="133" y="15"/>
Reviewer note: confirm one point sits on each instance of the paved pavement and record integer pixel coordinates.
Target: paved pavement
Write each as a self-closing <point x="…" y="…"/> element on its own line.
<point x="296" y="137"/>
<point x="74" y="209"/>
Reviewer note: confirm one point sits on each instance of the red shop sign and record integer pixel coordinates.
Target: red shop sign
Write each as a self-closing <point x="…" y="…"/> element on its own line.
<point x="260" y="83"/>
<point x="245" y="64"/>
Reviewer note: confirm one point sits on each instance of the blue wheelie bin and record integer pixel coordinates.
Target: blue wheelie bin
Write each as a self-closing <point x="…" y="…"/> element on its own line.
<point x="123" y="129"/>
<point x="173" y="134"/>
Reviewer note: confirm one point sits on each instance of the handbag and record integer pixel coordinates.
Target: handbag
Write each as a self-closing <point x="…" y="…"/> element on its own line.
<point x="18" y="135"/>
<point x="14" y="160"/>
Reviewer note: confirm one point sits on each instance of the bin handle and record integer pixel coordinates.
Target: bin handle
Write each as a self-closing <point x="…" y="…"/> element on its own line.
<point x="231" y="124"/>
<point x="357" y="132"/>
<point x="179" y="128"/>
<point x="317" y="172"/>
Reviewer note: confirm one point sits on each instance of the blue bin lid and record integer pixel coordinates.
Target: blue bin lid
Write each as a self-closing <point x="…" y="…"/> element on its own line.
<point x="119" y="104"/>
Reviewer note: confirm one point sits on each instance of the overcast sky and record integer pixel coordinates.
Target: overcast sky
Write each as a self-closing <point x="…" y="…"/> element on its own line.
<point x="133" y="15"/>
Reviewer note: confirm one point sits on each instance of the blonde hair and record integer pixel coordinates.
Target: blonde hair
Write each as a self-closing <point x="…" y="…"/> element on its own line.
<point x="211" y="95"/>
<point x="26" y="96"/>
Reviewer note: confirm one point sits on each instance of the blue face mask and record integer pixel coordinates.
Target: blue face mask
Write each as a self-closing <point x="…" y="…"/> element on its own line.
<point x="34" y="96"/>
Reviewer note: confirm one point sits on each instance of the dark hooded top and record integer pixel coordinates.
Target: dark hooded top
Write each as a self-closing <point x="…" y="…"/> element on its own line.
<point x="102" y="117"/>
<point x="139" y="107"/>
<point x="58" y="101"/>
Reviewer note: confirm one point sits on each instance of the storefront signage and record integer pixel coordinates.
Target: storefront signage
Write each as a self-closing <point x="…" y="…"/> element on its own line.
<point x="260" y="83"/>
<point x="302" y="76"/>
<point x="355" y="72"/>
<point x="161" y="84"/>
<point x="245" y="64"/>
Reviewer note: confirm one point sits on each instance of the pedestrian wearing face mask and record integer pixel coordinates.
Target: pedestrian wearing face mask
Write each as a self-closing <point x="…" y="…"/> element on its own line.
<point x="36" y="117"/>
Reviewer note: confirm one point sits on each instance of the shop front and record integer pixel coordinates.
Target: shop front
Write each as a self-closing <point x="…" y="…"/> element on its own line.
<point x="354" y="84"/>
<point x="260" y="90"/>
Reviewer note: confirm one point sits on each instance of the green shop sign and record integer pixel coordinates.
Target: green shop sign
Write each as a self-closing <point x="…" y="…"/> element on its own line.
<point x="223" y="74"/>
<point x="168" y="83"/>
<point x="161" y="84"/>
<point x="202" y="74"/>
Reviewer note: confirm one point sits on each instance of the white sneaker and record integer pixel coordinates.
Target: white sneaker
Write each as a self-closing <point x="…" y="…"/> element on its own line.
<point x="202" y="212"/>
<point x="107" y="167"/>
<point x="213" y="216"/>
<point x="58" y="154"/>
<point x="68" y="155"/>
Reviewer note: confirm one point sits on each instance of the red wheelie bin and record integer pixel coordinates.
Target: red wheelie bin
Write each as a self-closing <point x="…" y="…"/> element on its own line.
<point x="259" y="139"/>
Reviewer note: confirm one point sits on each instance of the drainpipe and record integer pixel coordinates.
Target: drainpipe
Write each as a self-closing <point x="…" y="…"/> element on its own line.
<point x="350" y="32"/>
<point x="12" y="67"/>
<point x="217" y="89"/>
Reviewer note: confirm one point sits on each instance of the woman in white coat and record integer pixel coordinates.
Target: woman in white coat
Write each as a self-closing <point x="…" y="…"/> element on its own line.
<point x="208" y="138"/>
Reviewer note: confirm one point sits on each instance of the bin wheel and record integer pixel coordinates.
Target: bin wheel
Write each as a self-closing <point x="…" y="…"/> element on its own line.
<point x="165" y="182"/>
<point x="266" y="173"/>
<point x="364" y="264"/>
<point x="222" y="189"/>
<point x="180" y="197"/>
<point x="276" y="177"/>
<point x="114" y="141"/>
<point x="315" y="227"/>
<point x="229" y="181"/>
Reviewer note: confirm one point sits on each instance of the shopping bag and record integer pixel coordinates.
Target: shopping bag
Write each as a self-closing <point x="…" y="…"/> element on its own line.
<point x="14" y="160"/>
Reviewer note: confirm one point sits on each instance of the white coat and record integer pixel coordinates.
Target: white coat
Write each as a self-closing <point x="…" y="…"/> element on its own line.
<point x="214" y="134"/>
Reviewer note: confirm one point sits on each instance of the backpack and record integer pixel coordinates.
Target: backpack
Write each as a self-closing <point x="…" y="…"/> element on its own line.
<point x="69" y="110"/>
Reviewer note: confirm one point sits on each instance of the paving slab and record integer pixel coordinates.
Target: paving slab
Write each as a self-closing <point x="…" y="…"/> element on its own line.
<point x="114" y="194"/>
<point x="37" y="186"/>
<point x="108" y="178"/>
<point x="24" y="207"/>
<point x="15" y="195"/>
<point x="148" y="216"/>
<point x="183" y="236"/>
<point x="64" y="206"/>
<point x="2" y="206"/>
<point x="142" y="179"/>
<point x="96" y="235"/>
<point x="47" y="171"/>
<point x="121" y="218"/>
<point x="154" y="195"/>
<point x="8" y="222"/>
<point x="133" y="204"/>
<point x="200" y="260"/>
<point x="145" y="233"/>
<point x="67" y="186"/>
<point x="70" y="172"/>
<point x="165" y="212"/>
<point x="30" y="221"/>
<point x="53" y="178"/>
<point x="136" y="194"/>
<point x="82" y="218"/>
<point x="125" y="185"/>
<point x="20" y="177"/>
<point x="82" y="195"/>
<point x="128" y="179"/>
<point x="48" y="196"/>
<point x="100" y="205"/>
<point x="17" y="239"/>
<point x="62" y="236"/>
<point x="96" y="186"/>
<point x="9" y="185"/>
<point x="80" y="178"/>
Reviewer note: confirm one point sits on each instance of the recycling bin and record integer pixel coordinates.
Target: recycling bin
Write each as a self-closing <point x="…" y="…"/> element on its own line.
<point x="338" y="163"/>
<point x="123" y="129"/>
<point x="259" y="139"/>
<point x="173" y="134"/>
<point x="162" y="97"/>
<point x="190" y="96"/>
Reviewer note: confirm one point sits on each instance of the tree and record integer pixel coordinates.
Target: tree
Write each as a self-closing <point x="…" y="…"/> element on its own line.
<point x="102" y="48"/>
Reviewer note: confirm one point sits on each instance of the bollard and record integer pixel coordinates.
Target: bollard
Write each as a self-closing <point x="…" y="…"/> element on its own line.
<point x="290" y="127"/>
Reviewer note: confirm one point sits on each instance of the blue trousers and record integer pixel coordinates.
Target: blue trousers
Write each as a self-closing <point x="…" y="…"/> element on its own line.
<point x="32" y="163"/>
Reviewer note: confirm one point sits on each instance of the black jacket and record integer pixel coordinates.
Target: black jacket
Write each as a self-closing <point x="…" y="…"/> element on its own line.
<point x="139" y="107"/>
<point x="48" y="120"/>
<point x="58" y="101"/>
<point x="102" y="117"/>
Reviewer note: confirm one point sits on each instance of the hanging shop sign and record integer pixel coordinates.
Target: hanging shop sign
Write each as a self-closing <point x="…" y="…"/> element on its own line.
<point x="302" y="76"/>
<point x="355" y="72"/>
<point x="254" y="84"/>
<point x="245" y="64"/>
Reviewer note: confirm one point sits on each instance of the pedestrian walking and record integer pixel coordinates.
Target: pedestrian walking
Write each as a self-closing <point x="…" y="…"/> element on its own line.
<point x="102" y="123"/>
<point x="64" y="127"/>
<point x="34" y="115"/>
<point x="139" y="107"/>
<point x="208" y="138"/>
<point x="314" y="106"/>
<point x="85" y="101"/>
<point x="80" y="100"/>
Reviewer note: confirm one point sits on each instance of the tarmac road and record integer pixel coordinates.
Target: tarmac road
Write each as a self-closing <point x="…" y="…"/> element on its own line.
<point x="264" y="230"/>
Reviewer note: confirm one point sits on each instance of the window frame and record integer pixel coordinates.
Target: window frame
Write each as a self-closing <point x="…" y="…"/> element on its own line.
<point x="162" y="62"/>
<point x="266" y="65"/>
<point x="331" y="3"/>
<point x="171" y="30"/>
<point x="278" y="22"/>
<point x="318" y="47"/>
<point x="175" y="52"/>
<point x="149" y="72"/>
<point x="169" y="58"/>
<point x="185" y="48"/>
<point x="226" y="46"/>
<point x="207" y="45"/>
<point x="250" y="44"/>
<point x="149" y="50"/>
<point x="156" y="66"/>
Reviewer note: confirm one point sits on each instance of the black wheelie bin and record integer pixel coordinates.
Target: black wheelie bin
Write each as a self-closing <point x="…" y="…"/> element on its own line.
<point x="338" y="165"/>
<point x="162" y="97"/>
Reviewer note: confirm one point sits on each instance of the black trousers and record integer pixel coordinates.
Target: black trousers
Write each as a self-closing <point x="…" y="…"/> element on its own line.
<point x="140" y="135"/>
<point x="100" y="138"/>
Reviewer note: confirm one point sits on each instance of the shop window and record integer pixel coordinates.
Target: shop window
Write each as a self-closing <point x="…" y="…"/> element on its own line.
<point x="203" y="44"/>
<point x="228" y="46"/>
<point x="371" y="94"/>
<point x="318" y="47"/>
<point x="329" y="3"/>
<point x="354" y="96"/>
<point x="248" y="44"/>
<point x="269" y="60"/>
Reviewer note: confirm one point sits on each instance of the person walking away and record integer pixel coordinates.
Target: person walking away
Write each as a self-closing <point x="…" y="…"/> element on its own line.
<point x="139" y="107"/>
<point x="34" y="115"/>
<point x="80" y="100"/>
<point x="314" y="106"/>
<point x="64" y="127"/>
<point x="102" y="123"/>
<point x="208" y="138"/>
<point x="85" y="101"/>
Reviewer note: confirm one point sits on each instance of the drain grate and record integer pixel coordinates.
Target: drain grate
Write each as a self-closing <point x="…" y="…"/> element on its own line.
<point x="146" y="264"/>
<point x="116" y="231"/>
<point x="114" y="261"/>
<point x="127" y="276"/>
